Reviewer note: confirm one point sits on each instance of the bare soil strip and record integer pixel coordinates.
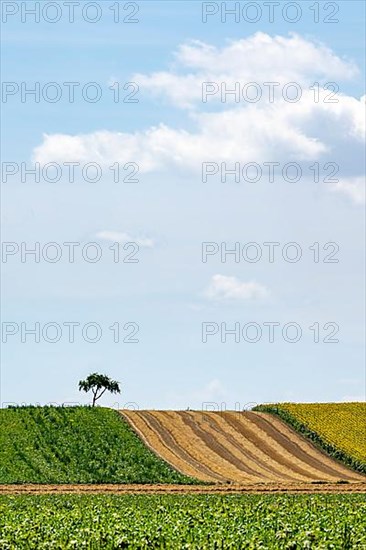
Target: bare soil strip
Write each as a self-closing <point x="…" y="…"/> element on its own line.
<point x="270" y="488"/>
<point x="245" y="448"/>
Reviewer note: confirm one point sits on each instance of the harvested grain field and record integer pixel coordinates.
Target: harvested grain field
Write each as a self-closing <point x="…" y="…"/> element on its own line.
<point x="237" y="447"/>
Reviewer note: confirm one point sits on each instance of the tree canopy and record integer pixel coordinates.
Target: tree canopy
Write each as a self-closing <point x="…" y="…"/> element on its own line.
<point x="99" y="384"/>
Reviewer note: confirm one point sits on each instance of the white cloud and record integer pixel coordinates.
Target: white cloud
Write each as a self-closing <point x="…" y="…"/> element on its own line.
<point x="354" y="188"/>
<point x="103" y="147"/>
<point x="303" y="132"/>
<point x="223" y="287"/>
<point x="258" y="58"/>
<point x="118" y="237"/>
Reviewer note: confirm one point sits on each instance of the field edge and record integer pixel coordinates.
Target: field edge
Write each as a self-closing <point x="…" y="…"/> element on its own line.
<point x="169" y="488"/>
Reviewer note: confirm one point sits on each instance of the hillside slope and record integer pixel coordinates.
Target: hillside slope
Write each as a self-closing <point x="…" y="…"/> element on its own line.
<point x="235" y="446"/>
<point x="337" y="428"/>
<point x="75" y="445"/>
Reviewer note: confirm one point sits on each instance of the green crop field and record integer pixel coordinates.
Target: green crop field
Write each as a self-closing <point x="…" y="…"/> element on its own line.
<point x="183" y="522"/>
<point x="75" y="445"/>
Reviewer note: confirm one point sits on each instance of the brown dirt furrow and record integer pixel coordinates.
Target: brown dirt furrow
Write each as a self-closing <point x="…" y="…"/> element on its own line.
<point x="234" y="488"/>
<point x="185" y="436"/>
<point x="303" y="448"/>
<point x="275" y="452"/>
<point x="149" y="436"/>
<point x="155" y="442"/>
<point x="251" y="455"/>
<point x="162" y="445"/>
<point x="255" y="454"/>
<point x="181" y="452"/>
<point x="297" y="463"/>
<point x="221" y="445"/>
<point x="291" y="443"/>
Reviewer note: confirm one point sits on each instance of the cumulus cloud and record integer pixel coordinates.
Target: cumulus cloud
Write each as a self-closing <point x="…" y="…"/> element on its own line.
<point x="226" y="288"/>
<point x="301" y="132"/>
<point x="258" y="58"/>
<point x="119" y="237"/>
<point x="329" y="129"/>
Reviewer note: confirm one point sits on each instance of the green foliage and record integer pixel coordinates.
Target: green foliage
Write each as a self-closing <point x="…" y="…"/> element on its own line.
<point x="191" y="522"/>
<point x="293" y="415"/>
<point x="76" y="445"/>
<point x="99" y="384"/>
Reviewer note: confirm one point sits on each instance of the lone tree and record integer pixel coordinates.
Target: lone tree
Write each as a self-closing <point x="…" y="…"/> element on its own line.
<point x="98" y="384"/>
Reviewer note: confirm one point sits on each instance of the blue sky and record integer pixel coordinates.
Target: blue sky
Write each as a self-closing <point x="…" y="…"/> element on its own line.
<point x="170" y="212"/>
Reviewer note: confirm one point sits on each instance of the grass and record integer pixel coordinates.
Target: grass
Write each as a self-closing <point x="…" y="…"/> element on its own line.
<point x="76" y="445"/>
<point x="191" y="522"/>
<point x="339" y="429"/>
